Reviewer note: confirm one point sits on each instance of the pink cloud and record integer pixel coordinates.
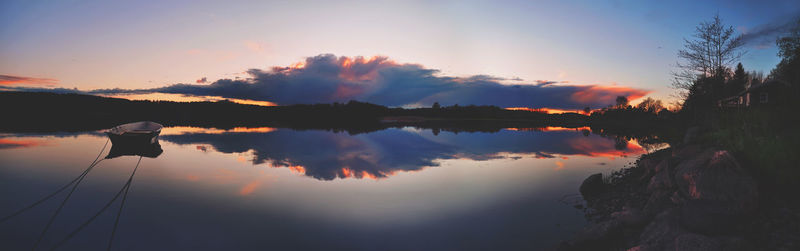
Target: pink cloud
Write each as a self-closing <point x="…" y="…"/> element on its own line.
<point x="11" y="80"/>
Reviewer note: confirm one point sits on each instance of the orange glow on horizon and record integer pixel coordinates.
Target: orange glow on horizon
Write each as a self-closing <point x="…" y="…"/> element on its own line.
<point x="178" y="130"/>
<point x="549" y="129"/>
<point x="156" y="96"/>
<point x="598" y="92"/>
<point x="252" y="102"/>
<point x="545" y="110"/>
<point x="11" y="143"/>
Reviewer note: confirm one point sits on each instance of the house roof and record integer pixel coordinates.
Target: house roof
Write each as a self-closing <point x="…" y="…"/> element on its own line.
<point x="768" y="83"/>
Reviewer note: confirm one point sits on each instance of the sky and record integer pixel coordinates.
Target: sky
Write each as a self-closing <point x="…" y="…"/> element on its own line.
<point x="401" y="53"/>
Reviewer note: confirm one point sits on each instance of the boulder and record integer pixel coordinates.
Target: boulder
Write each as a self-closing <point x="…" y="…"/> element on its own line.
<point x="731" y="243"/>
<point x="660" y="234"/>
<point x="602" y="234"/>
<point x="647" y="165"/>
<point x="716" y="192"/>
<point x="592" y="186"/>
<point x="658" y="201"/>
<point x="662" y="178"/>
<point x="696" y="242"/>
<point x="631" y="217"/>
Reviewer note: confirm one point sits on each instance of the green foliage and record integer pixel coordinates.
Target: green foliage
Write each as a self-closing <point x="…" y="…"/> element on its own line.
<point x="765" y="140"/>
<point x="789" y="50"/>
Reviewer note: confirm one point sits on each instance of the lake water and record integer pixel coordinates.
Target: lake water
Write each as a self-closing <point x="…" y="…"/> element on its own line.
<point x="281" y="189"/>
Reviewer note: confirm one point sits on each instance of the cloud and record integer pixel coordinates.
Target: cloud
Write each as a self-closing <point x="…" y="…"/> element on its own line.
<point x="202" y="80"/>
<point x="39" y="89"/>
<point x="549" y="82"/>
<point x="327" y="78"/>
<point x="765" y="35"/>
<point x="12" y="80"/>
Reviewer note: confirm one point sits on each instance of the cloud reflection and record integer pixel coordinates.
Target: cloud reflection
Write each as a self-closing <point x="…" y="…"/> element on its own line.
<point x="6" y="143"/>
<point x="327" y="155"/>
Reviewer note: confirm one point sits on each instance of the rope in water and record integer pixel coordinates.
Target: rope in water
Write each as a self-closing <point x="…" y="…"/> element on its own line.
<point x="86" y="223"/>
<point x="96" y="161"/>
<point x="57" y="191"/>
<point x="122" y="205"/>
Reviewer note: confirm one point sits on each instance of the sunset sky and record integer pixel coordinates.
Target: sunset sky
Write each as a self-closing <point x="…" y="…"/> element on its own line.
<point x="591" y="50"/>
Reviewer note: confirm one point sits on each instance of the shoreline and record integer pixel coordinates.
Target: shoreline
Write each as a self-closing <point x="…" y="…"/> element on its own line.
<point x="688" y="197"/>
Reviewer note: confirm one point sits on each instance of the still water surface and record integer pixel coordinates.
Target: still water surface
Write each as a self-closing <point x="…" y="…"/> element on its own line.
<point x="281" y="189"/>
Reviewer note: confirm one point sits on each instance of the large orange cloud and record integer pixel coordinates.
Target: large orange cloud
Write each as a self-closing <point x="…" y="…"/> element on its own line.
<point x="598" y="92"/>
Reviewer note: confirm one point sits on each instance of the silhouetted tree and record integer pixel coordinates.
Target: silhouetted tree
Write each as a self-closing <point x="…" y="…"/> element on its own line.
<point x="707" y="55"/>
<point x="622" y="102"/>
<point x="436" y="105"/>
<point x="651" y="105"/>
<point x="587" y="110"/>
<point x="620" y="143"/>
<point x="789" y="51"/>
<point x="738" y="82"/>
<point x="754" y="78"/>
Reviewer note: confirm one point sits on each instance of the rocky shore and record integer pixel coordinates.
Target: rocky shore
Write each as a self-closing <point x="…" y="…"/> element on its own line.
<point x="682" y="198"/>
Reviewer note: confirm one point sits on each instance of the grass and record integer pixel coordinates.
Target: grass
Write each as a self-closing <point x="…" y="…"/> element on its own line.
<point x="766" y="141"/>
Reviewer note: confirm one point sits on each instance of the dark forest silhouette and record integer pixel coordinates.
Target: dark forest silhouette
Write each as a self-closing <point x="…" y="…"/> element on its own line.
<point x="43" y="112"/>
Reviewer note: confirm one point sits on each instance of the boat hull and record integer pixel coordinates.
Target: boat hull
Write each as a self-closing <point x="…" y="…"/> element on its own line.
<point x="134" y="138"/>
<point x="145" y="145"/>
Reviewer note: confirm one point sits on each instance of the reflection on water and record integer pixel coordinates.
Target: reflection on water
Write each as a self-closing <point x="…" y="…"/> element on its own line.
<point x="327" y="156"/>
<point x="267" y="188"/>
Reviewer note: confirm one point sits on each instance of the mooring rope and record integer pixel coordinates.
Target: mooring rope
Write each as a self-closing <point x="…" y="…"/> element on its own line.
<point x="87" y="222"/>
<point x="78" y="182"/>
<point x="95" y="162"/>
<point x="122" y="205"/>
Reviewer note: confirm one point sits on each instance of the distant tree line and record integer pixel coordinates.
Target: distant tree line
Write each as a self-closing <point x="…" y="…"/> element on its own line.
<point x="39" y="111"/>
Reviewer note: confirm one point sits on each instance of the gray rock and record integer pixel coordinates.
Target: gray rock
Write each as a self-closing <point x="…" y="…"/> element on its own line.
<point x="592" y="186"/>
<point x="594" y="236"/>
<point x="658" y="201"/>
<point x="660" y="234"/>
<point x="631" y="217"/>
<point x="696" y="242"/>
<point x="662" y="178"/>
<point x="716" y="192"/>
<point x="729" y="243"/>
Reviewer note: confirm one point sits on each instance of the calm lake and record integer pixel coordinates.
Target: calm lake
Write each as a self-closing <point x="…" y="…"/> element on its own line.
<point x="282" y="189"/>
